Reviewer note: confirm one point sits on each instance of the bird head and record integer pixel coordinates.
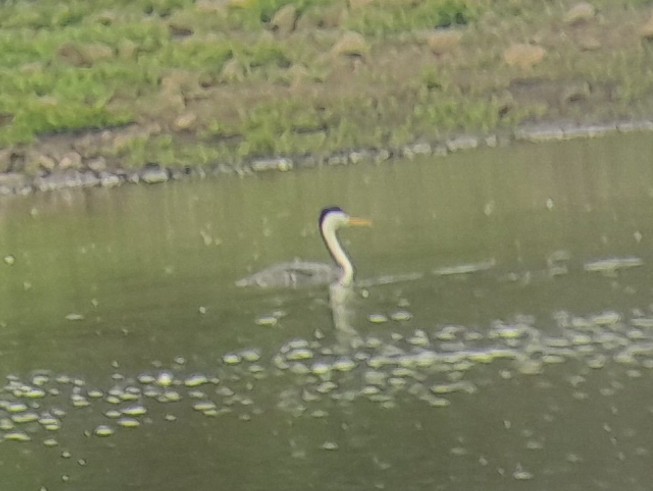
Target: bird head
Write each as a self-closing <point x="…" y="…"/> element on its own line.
<point x="334" y="217"/>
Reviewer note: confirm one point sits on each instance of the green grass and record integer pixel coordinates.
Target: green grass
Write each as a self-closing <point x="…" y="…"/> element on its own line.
<point x="69" y="67"/>
<point x="399" y="17"/>
<point x="77" y="97"/>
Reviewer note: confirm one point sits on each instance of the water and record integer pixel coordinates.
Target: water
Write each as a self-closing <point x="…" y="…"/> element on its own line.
<point x="503" y="338"/>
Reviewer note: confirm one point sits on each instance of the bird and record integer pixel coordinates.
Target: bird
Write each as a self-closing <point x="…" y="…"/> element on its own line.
<point x="297" y="273"/>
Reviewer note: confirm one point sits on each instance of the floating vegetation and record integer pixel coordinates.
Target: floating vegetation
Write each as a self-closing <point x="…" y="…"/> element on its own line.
<point x="128" y="423"/>
<point x="103" y="431"/>
<point x="266" y="320"/>
<point x="299" y="354"/>
<point x="25" y="417"/>
<point x="435" y="366"/>
<point x="231" y="359"/>
<point x="169" y="396"/>
<point x="30" y="393"/>
<point x="50" y="423"/>
<point x="15" y="407"/>
<point x="646" y="322"/>
<point x="320" y="368"/>
<point x="136" y="410"/>
<point x="377" y="318"/>
<point x="605" y="319"/>
<point x="17" y="436"/>
<point x="196" y="380"/>
<point x="79" y="401"/>
<point x="463" y="386"/>
<point x="344" y="364"/>
<point x="271" y="319"/>
<point x="145" y="378"/>
<point x="401" y="316"/>
<point x="251" y="355"/>
<point x="164" y="379"/>
<point x="203" y="406"/>
<point x="522" y="475"/>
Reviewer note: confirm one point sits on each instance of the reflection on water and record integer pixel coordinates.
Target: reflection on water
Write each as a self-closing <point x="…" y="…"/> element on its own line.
<point x="501" y="334"/>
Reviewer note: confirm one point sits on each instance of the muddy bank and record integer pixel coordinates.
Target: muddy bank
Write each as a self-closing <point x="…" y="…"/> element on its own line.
<point x="96" y="173"/>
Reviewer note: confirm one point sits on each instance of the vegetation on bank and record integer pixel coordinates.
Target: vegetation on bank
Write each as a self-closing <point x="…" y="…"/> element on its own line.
<point x="197" y="82"/>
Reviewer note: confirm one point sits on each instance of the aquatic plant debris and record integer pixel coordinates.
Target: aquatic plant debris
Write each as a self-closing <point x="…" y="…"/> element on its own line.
<point x="103" y="431"/>
<point x="435" y="366"/>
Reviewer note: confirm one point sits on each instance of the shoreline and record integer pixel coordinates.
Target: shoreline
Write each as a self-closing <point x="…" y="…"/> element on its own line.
<point x="102" y="96"/>
<point x="88" y="175"/>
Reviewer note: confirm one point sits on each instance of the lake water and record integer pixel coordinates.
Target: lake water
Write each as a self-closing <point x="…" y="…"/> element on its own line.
<point x="503" y="338"/>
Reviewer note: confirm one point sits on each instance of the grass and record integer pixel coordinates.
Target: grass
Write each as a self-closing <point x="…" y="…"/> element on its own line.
<point x="71" y="67"/>
<point x="396" y="18"/>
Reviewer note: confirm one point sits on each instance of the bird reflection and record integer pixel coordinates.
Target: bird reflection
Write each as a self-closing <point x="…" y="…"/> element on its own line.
<point x="339" y="276"/>
<point x="342" y="303"/>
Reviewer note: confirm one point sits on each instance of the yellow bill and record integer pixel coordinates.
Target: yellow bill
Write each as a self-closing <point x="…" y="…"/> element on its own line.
<point x="359" y="222"/>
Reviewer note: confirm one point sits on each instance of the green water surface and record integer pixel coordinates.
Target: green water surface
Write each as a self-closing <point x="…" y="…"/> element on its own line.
<point x="519" y="355"/>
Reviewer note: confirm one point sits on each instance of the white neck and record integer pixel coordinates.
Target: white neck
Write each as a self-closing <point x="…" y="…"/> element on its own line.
<point x="338" y="253"/>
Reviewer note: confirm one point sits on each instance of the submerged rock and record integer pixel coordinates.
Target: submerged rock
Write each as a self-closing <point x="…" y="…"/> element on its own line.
<point x="109" y="180"/>
<point x="417" y="149"/>
<point x="540" y="133"/>
<point x="154" y="174"/>
<point x="10" y="182"/>
<point x="59" y="180"/>
<point x="70" y="160"/>
<point x="97" y="164"/>
<point x="462" y="142"/>
<point x="281" y="164"/>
